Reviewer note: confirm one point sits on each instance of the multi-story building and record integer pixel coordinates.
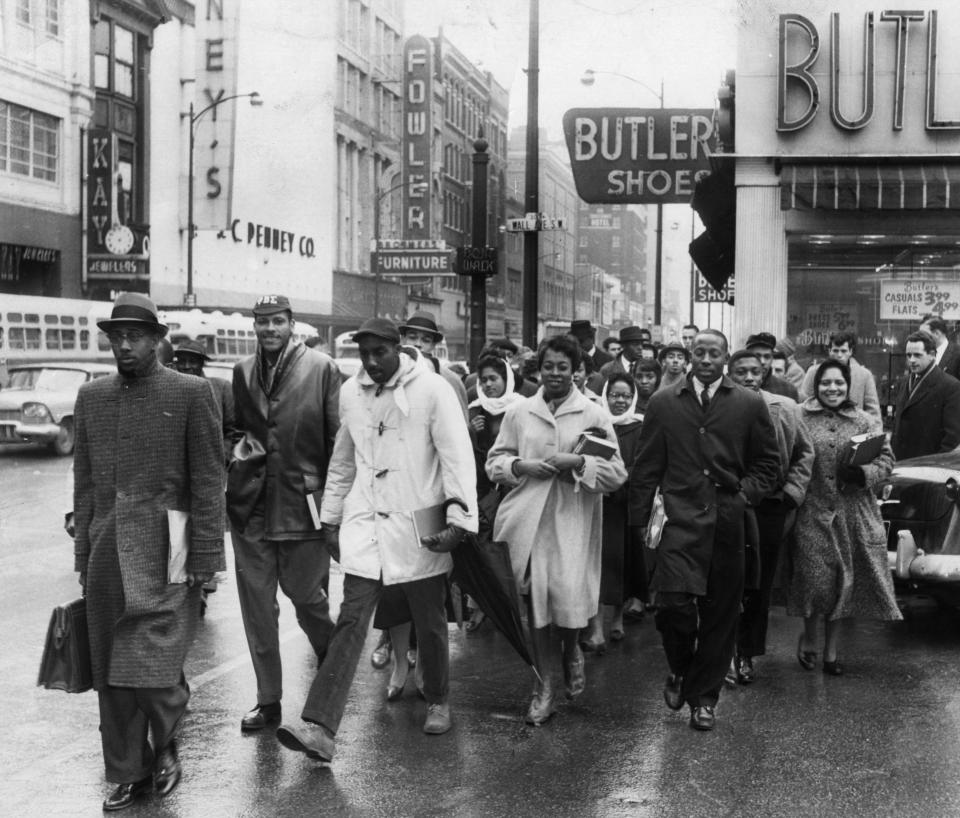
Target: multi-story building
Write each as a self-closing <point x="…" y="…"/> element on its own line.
<point x="46" y="102"/>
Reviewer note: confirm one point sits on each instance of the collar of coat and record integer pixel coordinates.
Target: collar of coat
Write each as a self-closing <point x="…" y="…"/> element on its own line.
<point x="412" y="364"/>
<point x="270" y="381"/>
<point x="576" y="401"/>
<point x="847" y="409"/>
<point x="686" y="385"/>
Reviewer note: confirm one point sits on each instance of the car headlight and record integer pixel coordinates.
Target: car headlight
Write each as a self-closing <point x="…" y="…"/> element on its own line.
<point x="36" y="413"/>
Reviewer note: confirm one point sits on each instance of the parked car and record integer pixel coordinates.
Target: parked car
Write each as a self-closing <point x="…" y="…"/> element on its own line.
<point x="37" y="404"/>
<point x="920" y="504"/>
<point x="219" y="369"/>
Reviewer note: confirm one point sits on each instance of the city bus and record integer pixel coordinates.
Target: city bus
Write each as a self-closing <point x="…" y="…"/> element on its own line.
<point x="36" y="328"/>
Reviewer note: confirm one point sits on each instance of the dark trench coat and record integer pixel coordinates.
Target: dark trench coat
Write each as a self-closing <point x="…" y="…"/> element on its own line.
<point x="144" y="446"/>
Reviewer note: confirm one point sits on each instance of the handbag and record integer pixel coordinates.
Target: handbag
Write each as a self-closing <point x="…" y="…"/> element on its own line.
<point x="66" y="653"/>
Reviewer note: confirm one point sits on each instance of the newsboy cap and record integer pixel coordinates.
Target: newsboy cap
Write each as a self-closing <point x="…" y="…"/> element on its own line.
<point x="761" y="339"/>
<point x="379" y="328"/>
<point x="133" y="308"/>
<point x="191" y="347"/>
<point x="421" y="321"/>
<point x="629" y="334"/>
<point x="270" y="304"/>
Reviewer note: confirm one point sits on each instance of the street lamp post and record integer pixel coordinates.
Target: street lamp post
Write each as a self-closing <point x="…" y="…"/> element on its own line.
<point x="374" y="242"/>
<point x="255" y="100"/>
<point x="589" y="78"/>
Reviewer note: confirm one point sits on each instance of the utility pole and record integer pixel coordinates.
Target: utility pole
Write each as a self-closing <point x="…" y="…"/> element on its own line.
<point x="478" y="283"/>
<point x="531" y="196"/>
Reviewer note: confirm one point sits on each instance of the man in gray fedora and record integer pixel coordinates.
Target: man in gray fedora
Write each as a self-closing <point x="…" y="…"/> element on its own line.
<point x="148" y="471"/>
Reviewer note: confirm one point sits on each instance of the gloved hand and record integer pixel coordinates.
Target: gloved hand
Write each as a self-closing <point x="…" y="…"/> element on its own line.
<point x="331" y="538"/>
<point x="199" y="578"/>
<point x="852" y="475"/>
<point x="445" y="540"/>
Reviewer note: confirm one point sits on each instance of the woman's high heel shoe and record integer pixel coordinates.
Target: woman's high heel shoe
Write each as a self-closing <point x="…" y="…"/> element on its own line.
<point x="397" y="683"/>
<point x="806" y="658"/>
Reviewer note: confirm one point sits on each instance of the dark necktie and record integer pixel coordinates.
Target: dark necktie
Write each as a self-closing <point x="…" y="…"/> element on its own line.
<point x="705" y="398"/>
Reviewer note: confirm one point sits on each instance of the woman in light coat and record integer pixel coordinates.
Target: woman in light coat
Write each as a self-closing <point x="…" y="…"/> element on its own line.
<point x="839" y="556"/>
<point x="552" y="519"/>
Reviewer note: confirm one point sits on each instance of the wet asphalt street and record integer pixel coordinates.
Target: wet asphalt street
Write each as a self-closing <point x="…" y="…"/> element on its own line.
<point x="881" y="741"/>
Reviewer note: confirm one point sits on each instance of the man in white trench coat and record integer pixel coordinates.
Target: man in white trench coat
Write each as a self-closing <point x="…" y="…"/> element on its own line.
<point x="402" y="447"/>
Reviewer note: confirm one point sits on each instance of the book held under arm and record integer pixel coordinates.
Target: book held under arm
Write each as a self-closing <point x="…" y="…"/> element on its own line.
<point x="862" y="449"/>
<point x="597" y="446"/>
<point x="429" y="521"/>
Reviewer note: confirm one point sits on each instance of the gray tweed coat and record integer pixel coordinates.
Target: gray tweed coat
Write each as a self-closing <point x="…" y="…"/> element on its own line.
<point x="144" y="446"/>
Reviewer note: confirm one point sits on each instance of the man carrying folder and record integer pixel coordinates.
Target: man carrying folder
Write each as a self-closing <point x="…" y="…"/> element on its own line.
<point x="401" y="450"/>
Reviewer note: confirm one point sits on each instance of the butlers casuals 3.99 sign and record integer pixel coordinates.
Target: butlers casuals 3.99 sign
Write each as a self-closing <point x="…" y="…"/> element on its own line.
<point x="638" y="155"/>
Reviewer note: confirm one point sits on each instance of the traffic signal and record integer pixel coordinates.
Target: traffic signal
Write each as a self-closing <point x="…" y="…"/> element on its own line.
<point x="715" y="202"/>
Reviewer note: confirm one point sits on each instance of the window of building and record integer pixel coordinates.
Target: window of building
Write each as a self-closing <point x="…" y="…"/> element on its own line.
<point x="52" y="17"/>
<point x="29" y="142"/>
<point x="115" y="58"/>
<point x="615" y="242"/>
<point x="23" y="12"/>
<point x="584" y="241"/>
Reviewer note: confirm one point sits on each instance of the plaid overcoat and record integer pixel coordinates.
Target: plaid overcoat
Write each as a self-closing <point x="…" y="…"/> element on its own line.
<point x="143" y="446"/>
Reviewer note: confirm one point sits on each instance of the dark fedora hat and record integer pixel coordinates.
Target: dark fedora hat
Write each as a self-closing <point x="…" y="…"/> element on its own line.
<point x="133" y="308"/>
<point x="633" y="333"/>
<point x="190" y="347"/>
<point x="581" y="328"/>
<point x="761" y="339"/>
<point x="379" y="328"/>
<point x="421" y="321"/>
<point x="270" y="304"/>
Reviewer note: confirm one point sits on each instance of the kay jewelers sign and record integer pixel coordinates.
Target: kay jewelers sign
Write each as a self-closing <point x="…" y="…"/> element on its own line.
<point x="638" y="155"/>
<point x="911" y="300"/>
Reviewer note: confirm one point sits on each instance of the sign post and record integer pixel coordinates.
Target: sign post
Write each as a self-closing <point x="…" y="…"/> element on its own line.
<point x="478" y="283"/>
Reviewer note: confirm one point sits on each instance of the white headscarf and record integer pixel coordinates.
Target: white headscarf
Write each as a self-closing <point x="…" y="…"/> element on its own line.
<point x="497" y="406"/>
<point x="630" y="416"/>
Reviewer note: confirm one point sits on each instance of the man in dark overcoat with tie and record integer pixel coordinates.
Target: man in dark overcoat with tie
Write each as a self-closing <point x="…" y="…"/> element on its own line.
<point x="711" y="448"/>
<point x="927" y="417"/>
<point x="148" y="454"/>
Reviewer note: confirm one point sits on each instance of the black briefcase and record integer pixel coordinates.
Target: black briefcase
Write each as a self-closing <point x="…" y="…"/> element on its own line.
<point x="66" y="654"/>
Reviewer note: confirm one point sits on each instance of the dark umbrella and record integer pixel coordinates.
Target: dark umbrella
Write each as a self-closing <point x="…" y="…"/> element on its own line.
<point x="482" y="569"/>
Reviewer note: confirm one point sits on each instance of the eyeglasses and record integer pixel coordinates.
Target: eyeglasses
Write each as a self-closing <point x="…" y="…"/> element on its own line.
<point x="134" y="336"/>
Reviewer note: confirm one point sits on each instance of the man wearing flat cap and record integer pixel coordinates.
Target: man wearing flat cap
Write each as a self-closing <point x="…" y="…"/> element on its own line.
<point x="148" y="470"/>
<point x="402" y="451"/>
<point x="287" y="403"/>
<point x="762" y="344"/>
<point x="420" y="331"/>
<point x="189" y="358"/>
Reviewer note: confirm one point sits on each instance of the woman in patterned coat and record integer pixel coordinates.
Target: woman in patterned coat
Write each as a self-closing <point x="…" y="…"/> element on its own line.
<point x="839" y="556"/>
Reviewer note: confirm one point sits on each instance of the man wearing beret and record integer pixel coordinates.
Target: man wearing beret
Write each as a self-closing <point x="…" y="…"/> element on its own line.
<point x="402" y="450"/>
<point x="287" y="403"/>
<point x="148" y="475"/>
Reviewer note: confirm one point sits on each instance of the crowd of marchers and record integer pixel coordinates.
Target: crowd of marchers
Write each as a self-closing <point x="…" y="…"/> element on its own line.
<point x="681" y="479"/>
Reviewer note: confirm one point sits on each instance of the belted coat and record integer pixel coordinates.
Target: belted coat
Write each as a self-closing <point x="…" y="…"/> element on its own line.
<point x="144" y="446"/>
<point x="288" y="431"/>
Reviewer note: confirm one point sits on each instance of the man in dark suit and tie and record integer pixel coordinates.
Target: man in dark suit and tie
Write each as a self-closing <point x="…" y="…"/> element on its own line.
<point x="927" y="419"/>
<point x="947" y="353"/>
<point x="586" y="334"/>
<point x="711" y="447"/>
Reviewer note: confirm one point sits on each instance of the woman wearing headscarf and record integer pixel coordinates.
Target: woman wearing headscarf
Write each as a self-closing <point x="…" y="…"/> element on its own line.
<point x="623" y="573"/>
<point x="551" y="519"/>
<point x="839" y="556"/>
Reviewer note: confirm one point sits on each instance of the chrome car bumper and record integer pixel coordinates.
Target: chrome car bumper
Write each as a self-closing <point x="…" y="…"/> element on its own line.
<point x="28" y="432"/>
<point x="909" y="562"/>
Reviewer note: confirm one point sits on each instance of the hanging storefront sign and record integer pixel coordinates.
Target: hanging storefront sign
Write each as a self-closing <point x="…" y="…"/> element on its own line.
<point x="911" y="300"/>
<point x="704" y="293"/>
<point x="216" y="61"/>
<point x="417" y="136"/>
<point x="638" y="155"/>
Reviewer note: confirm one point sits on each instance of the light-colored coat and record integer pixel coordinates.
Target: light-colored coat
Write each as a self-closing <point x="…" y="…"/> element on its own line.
<point x="400" y="447"/>
<point x="839" y="555"/>
<point x="554" y="526"/>
<point x="145" y="446"/>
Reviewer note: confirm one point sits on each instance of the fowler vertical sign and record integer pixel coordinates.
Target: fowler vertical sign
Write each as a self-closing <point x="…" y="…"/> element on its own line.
<point x="417" y="135"/>
<point x="214" y="132"/>
<point x="101" y="213"/>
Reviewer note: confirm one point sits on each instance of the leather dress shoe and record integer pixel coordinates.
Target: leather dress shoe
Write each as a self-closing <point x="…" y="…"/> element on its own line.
<point x="833" y="668"/>
<point x="673" y="692"/>
<point x="542" y="704"/>
<point x="730" y="679"/>
<point x="702" y="718"/>
<point x="573" y="673"/>
<point x="166" y="771"/>
<point x="745" y="672"/>
<point x="380" y="657"/>
<point x="260" y="717"/>
<point x="438" y="719"/>
<point x="598" y="648"/>
<point x="307" y="737"/>
<point x="124" y="795"/>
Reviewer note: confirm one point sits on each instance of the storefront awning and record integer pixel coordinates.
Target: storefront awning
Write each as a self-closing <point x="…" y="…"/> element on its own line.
<point x="870" y="187"/>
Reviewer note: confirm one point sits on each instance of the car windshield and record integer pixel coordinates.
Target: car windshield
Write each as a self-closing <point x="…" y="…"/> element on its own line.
<point x="47" y="380"/>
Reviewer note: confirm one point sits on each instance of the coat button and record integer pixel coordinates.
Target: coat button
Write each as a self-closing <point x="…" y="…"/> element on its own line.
<point x="702" y="430"/>
<point x="706" y="472"/>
